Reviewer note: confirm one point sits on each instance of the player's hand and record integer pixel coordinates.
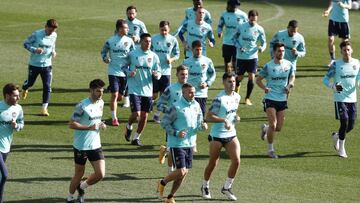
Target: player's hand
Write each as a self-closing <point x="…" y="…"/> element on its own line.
<point x="135" y="38"/>
<point x="267" y="90"/>
<point x="204" y="125"/>
<point x="14" y="124"/>
<point x="211" y="44"/>
<point x="203" y="85"/>
<point x="237" y="118"/>
<point x="182" y="133"/>
<point x="227" y="124"/>
<point x="220" y="34"/>
<point x="294" y="51"/>
<point x="107" y="60"/>
<point x="288" y="88"/>
<point x="341" y="4"/>
<point x="169" y="60"/>
<point x="94" y="127"/>
<point x="337" y="87"/>
<point x="155" y="73"/>
<point x="326" y="13"/>
<point x="133" y="73"/>
<point x="39" y="50"/>
<point x="53" y="54"/>
<point x="102" y="126"/>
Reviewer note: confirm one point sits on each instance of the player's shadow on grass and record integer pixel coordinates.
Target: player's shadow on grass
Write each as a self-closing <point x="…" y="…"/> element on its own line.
<point x="108" y="177"/>
<point x="64" y="122"/>
<point x="294" y="155"/>
<point x="51" y="104"/>
<point x="61" y="90"/>
<point x="43" y="200"/>
<point x="42" y="148"/>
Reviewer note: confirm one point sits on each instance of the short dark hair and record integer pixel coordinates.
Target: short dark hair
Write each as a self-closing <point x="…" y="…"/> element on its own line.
<point x="9" y="88"/>
<point x="97" y="83"/>
<point x="277" y="45"/>
<point x="144" y="35"/>
<point x="164" y="23"/>
<point x="131" y="8"/>
<point x="197" y="3"/>
<point x="180" y="68"/>
<point x="253" y="13"/>
<point x="52" y="23"/>
<point x="345" y="43"/>
<point x="228" y="75"/>
<point x="293" y="23"/>
<point x="186" y="85"/>
<point x="196" y="43"/>
<point x="120" y="23"/>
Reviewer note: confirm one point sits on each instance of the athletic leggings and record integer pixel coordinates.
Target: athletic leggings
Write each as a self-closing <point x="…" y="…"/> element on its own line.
<point x="345" y="127"/>
<point x="4" y="174"/>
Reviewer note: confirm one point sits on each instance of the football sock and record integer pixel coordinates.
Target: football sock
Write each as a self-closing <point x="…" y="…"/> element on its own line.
<point x="250" y="87"/>
<point x="206" y="183"/>
<point x="113" y="115"/>
<point x="228" y="183"/>
<point x="136" y="136"/>
<point x="129" y="126"/>
<point x="84" y="185"/>
<point x="271" y="147"/>
<point x="332" y="55"/>
<point x="45" y="105"/>
<point x="157" y="113"/>
<point x="70" y="197"/>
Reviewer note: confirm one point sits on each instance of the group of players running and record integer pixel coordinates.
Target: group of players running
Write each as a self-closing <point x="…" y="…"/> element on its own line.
<point x="139" y="72"/>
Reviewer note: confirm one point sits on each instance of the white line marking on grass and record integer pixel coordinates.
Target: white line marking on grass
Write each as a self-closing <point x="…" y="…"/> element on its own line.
<point x="280" y="12"/>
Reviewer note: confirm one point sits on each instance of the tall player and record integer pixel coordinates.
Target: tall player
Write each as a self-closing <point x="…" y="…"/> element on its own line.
<point x="167" y="48"/>
<point x="172" y="94"/>
<point x="181" y="122"/>
<point x="223" y="113"/>
<point x="143" y="66"/>
<point x="279" y="75"/>
<point x="190" y="14"/>
<point x="249" y="40"/>
<point x="11" y="118"/>
<point x="197" y="29"/>
<point x="294" y="42"/>
<point x="201" y="74"/>
<point x="86" y="121"/>
<point x="136" y="26"/>
<point x="230" y="19"/>
<point x="41" y="45"/>
<point x="114" y="53"/>
<point x="338" y="23"/>
<point x="346" y="76"/>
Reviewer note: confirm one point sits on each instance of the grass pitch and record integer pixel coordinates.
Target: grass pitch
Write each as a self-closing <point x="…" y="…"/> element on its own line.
<point x="40" y="164"/>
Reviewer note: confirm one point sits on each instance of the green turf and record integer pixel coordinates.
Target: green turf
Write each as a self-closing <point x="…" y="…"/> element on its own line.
<point x="40" y="164"/>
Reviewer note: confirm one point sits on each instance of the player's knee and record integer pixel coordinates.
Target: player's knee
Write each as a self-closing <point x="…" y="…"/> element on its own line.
<point x="278" y="129"/>
<point x="183" y="172"/>
<point x="272" y="126"/>
<point x="100" y="175"/>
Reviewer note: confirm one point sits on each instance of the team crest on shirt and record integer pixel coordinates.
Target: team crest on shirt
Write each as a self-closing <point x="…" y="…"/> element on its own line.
<point x="354" y="67"/>
<point x="135" y="28"/>
<point x="13" y="114"/>
<point x="294" y="42"/>
<point x="203" y="66"/>
<point x="255" y="32"/>
<point x="168" y="44"/>
<point x="149" y="60"/>
<point x="203" y="29"/>
<point x="126" y="43"/>
<point x="238" y="19"/>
